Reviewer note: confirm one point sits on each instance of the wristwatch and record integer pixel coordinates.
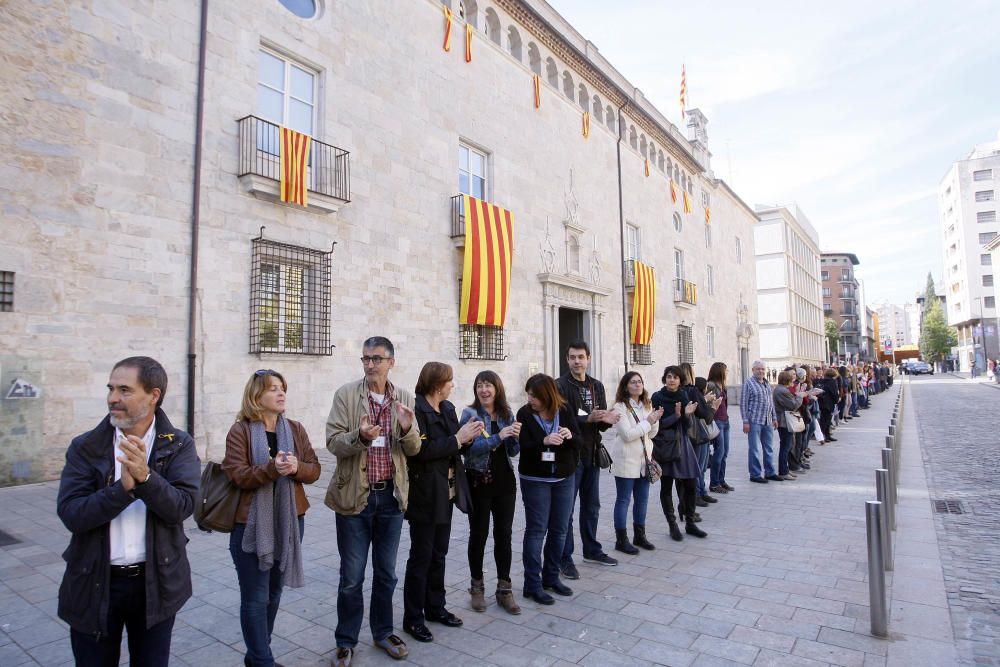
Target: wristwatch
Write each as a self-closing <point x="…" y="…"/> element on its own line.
<point x="149" y="473"/>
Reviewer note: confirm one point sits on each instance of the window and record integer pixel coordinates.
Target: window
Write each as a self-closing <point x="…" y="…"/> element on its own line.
<point x="986" y="237"/>
<point x="708" y="236"/>
<point x="641" y="355"/>
<point x="480" y="341"/>
<point x="710" y="336"/>
<point x="305" y="9"/>
<point x="471" y="171"/>
<point x="988" y="280"/>
<point x="986" y="216"/>
<point x="710" y="278"/>
<point x="982" y="175"/>
<point x="289" y="299"/>
<point x="984" y="195"/>
<point x="678" y="224"/>
<point x="827" y="309"/>
<point x="633" y="242"/>
<point x="845" y="274"/>
<point x="685" y="345"/>
<point x="826" y="291"/>
<point x="6" y="291"/>
<point x="678" y="264"/>
<point x="989" y="302"/>
<point x="985" y="260"/>
<point x="739" y="250"/>
<point x="826" y="276"/>
<point x="286" y="93"/>
<point x="492" y="26"/>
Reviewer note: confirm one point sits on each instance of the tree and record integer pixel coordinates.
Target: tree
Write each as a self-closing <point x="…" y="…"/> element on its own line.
<point x="929" y="293"/>
<point x="832" y="336"/>
<point x="936" y="337"/>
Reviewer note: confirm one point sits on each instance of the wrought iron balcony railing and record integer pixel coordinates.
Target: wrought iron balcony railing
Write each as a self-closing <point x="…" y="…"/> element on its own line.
<point x="457" y="217"/>
<point x="685" y="292"/>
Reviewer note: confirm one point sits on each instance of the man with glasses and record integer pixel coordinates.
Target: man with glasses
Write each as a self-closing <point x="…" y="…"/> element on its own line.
<point x="371" y="430"/>
<point x="759" y="423"/>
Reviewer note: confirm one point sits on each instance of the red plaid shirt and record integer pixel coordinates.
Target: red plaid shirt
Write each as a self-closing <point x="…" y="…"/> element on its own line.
<point x="380" y="466"/>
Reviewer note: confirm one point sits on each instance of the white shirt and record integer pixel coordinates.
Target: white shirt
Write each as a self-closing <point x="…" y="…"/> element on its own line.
<point x="128" y="529"/>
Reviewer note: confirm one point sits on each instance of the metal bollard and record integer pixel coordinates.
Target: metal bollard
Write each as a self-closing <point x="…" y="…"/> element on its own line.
<point x="892" y="429"/>
<point x="876" y="571"/>
<point x="890" y="515"/>
<point x="882" y="493"/>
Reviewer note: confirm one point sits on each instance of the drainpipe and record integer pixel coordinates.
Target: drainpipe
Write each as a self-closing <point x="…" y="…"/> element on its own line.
<point x="196" y="219"/>
<point x="621" y="231"/>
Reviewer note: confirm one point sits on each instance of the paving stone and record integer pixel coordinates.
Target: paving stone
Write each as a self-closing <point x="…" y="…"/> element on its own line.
<point x="860" y="642"/>
<point x="724" y="648"/>
<point x="559" y="647"/>
<point x="835" y="655"/>
<point x="663" y="654"/>
<point x="703" y="625"/>
<point x="762" y="639"/>
<point x="769" y="658"/>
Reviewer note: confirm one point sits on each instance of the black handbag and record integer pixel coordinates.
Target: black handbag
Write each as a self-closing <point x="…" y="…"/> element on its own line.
<point x="667" y="446"/>
<point x="215" y="505"/>
<point x="602" y="458"/>
<point x="702" y="432"/>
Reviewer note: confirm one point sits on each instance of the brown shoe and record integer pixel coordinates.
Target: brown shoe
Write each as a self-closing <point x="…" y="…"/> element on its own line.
<point x="477" y="592"/>
<point x="343" y="657"/>
<point x="505" y="597"/>
<point x="394" y="646"/>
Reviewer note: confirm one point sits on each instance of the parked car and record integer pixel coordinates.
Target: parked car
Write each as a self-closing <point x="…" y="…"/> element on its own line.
<point x="921" y="367"/>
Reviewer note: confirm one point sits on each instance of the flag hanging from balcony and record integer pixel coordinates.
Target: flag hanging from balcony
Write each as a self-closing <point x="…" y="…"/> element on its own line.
<point x="643" y="304"/>
<point x="489" y="246"/>
<point x="447" y="29"/>
<point x="294" y="160"/>
<point x="586" y="124"/>
<point x="673" y="191"/>
<point x="687" y="202"/>
<point x="647" y="168"/>
<point x="468" y="42"/>
<point x="536" y="81"/>
<point x="708" y="215"/>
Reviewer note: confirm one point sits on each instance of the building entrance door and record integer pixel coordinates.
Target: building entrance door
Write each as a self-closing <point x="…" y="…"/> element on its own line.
<point x="570" y="329"/>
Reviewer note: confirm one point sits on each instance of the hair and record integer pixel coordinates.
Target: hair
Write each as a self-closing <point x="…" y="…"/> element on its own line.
<point x="433" y="376"/>
<point x="500" y="401"/>
<point x="676" y="371"/>
<point x="578" y="344"/>
<point x="258" y="383"/>
<point x="688" y="377"/>
<point x="758" y="362"/>
<point x="379" y="341"/>
<point x="701" y="384"/>
<point x="830" y="373"/>
<point x="151" y="374"/>
<point x="622" y="396"/>
<point x="543" y="388"/>
<point x="786" y="377"/>
<point x="801" y="374"/>
<point x="717" y="373"/>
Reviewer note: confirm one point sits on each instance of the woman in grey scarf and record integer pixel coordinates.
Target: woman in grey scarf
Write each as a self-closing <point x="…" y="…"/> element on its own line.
<point x="269" y="458"/>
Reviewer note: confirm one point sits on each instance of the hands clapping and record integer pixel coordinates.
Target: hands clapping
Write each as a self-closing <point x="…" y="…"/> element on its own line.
<point x="559" y="437"/>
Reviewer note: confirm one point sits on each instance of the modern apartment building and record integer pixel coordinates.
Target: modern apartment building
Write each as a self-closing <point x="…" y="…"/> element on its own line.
<point x="841" y="300"/>
<point x="967" y="198"/>
<point x="899" y="323"/>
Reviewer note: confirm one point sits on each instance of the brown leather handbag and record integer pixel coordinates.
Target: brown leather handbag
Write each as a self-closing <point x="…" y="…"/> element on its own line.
<point x="215" y="505"/>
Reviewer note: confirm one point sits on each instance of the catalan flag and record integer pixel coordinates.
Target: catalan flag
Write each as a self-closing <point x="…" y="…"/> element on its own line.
<point x="294" y="162"/>
<point x="673" y="191"/>
<point x="708" y="215"/>
<point x="447" y="29"/>
<point x="489" y="246"/>
<point x="468" y="42"/>
<point x="647" y="168"/>
<point x="536" y="82"/>
<point x="687" y="202"/>
<point x="586" y="124"/>
<point x="643" y="304"/>
<point x="684" y="88"/>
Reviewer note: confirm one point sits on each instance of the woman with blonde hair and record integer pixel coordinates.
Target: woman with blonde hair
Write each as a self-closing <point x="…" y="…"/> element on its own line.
<point x="269" y="458"/>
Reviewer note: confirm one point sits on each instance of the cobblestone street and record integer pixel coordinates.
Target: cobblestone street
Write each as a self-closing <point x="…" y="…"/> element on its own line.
<point x="961" y="451"/>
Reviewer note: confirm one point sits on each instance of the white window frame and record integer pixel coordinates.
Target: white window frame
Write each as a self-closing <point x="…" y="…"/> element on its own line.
<point x="465" y="146"/>
<point x="708" y="236"/>
<point x="633" y="242"/>
<point x="710" y="336"/>
<point x="678" y="264"/>
<point x="739" y="250"/>
<point x="710" y="278"/>
<point x="289" y="63"/>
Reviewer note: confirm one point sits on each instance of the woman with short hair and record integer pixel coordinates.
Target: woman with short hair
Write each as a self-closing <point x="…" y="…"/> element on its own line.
<point x="785" y="400"/>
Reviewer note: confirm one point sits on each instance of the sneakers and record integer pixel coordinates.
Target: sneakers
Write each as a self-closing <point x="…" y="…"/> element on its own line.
<point x="394" y="646"/>
<point x="727" y="487"/>
<point x="718" y="488"/>
<point x="569" y="571"/>
<point x="600" y="559"/>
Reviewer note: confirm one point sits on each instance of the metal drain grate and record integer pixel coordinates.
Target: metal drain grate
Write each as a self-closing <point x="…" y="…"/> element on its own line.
<point x="6" y="539"/>
<point x="948" y="507"/>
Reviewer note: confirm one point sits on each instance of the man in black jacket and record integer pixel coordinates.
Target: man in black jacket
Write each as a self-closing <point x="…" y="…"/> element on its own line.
<point x="586" y="398"/>
<point x="126" y="489"/>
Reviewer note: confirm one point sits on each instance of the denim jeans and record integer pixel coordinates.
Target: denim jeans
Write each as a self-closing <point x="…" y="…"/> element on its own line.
<point x="260" y="595"/>
<point x="547" y="508"/>
<point x="586" y="484"/>
<point x="720" y="451"/>
<point x="786" y="440"/>
<point x="760" y="437"/>
<point x="377" y="526"/>
<point x="703" y="452"/>
<point x="635" y="490"/>
<point x="854" y="404"/>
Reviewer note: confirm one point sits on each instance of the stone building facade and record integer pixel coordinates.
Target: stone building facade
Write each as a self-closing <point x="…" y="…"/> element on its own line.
<point x="842" y="300"/>
<point x="98" y="195"/>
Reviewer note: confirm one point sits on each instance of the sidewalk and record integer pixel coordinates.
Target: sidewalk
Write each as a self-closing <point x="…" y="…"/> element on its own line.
<point x="982" y="378"/>
<point x="781" y="580"/>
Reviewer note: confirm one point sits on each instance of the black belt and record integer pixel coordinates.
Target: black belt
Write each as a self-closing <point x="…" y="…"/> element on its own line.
<point x="128" y="571"/>
<point x="381" y="486"/>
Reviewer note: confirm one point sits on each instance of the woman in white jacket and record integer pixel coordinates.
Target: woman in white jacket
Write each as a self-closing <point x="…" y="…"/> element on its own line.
<point x="631" y="447"/>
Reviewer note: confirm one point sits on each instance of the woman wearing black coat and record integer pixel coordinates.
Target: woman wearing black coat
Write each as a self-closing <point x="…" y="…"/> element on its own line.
<point x="706" y="411"/>
<point x="828" y="401"/>
<point x="437" y="483"/>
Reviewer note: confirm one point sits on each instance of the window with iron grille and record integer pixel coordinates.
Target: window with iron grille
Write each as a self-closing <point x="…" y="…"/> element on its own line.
<point x="641" y="355"/>
<point x="290" y="290"/>
<point x="685" y="344"/>
<point x="6" y="291"/>
<point x="480" y="341"/>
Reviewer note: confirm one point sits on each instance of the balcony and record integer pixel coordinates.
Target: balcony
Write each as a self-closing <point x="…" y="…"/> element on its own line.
<point x="328" y="177"/>
<point x="457" y="221"/>
<point x="685" y="293"/>
<point x="848" y="279"/>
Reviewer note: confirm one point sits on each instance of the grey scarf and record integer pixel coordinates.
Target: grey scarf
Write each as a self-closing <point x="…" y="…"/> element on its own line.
<point x="272" y="530"/>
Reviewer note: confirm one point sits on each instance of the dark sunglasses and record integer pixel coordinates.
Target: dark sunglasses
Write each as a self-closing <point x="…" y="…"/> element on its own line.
<point x="264" y="371"/>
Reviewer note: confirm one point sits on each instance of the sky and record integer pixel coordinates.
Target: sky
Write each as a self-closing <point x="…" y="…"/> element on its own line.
<point x="853" y="110"/>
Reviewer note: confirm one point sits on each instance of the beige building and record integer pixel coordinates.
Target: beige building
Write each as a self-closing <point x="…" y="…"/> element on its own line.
<point x="101" y="213"/>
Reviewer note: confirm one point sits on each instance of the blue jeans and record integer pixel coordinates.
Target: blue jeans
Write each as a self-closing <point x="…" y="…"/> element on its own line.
<point x="547" y="509"/>
<point x="760" y="436"/>
<point x="586" y="484"/>
<point x="378" y="525"/>
<point x="631" y="489"/>
<point x="260" y="595"/>
<point x="854" y="404"/>
<point x="703" y="452"/>
<point x="786" y="440"/>
<point x="720" y="451"/>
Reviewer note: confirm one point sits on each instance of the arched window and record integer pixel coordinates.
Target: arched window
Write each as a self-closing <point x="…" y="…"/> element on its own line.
<point x="652" y="153"/>
<point x="514" y="42"/>
<point x="670" y="168"/>
<point x="583" y="97"/>
<point x="305" y="9"/>
<point x="642" y="145"/>
<point x="684" y="180"/>
<point x="690" y="185"/>
<point x="633" y="139"/>
<point x="659" y="159"/>
<point x="552" y="72"/>
<point x="677" y="174"/>
<point x="678" y="223"/>
<point x="534" y="58"/>
<point x="492" y="26"/>
<point x="568" y="88"/>
<point x="609" y="118"/>
<point x="469" y="10"/>
<point x="598" y="109"/>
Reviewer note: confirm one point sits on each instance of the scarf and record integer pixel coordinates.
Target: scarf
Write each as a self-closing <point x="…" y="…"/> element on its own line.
<point x="272" y="530"/>
<point x="669" y="398"/>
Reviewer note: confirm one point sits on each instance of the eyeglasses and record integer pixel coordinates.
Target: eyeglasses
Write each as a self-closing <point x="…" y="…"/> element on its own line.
<point x="264" y="371"/>
<point x="374" y="360"/>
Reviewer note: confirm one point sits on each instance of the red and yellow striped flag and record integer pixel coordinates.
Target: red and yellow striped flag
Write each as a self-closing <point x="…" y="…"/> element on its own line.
<point x="537" y="84"/>
<point x="489" y="247"/>
<point x="684" y="88"/>
<point x="708" y="215"/>
<point x="643" y="304"/>
<point x="687" y="202"/>
<point x="586" y="124"/>
<point x="294" y="162"/>
<point x="647" y="168"/>
<point x="673" y="191"/>
<point x="447" y="29"/>
<point x="468" y="42"/>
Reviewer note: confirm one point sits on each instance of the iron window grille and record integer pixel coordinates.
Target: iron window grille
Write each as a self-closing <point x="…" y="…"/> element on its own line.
<point x="457" y="216"/>
<point x="641" y="355"/>
<point x="328" y="168"/>
<point x="481" y="341"/>
<point x="290" y="294"/>
<point x="6" y="291"/>
<point x="685" y="344"/>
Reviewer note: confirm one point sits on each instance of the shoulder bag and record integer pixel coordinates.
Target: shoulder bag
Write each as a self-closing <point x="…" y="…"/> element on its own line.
<point x="702" y="432"/>
<point x="794" y="421"/>
<point x="215" y="505"/>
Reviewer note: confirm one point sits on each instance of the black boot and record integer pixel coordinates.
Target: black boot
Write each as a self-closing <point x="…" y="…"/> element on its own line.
<point x="691" y="528"/>
<point x="640" y="537"/>
<point x="675" y="531"/>
<point x="622" y="544"/>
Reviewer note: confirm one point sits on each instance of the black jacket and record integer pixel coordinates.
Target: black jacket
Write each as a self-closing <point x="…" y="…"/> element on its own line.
<point x="532" y="435"/>
<point x="828" y="399"/>
<point x="89" y="499"/>
<point x="428" y="469"/>
<point x="589" y="432"/>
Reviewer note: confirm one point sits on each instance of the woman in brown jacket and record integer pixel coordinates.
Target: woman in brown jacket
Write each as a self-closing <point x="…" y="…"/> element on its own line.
<point x="269" y="458"/>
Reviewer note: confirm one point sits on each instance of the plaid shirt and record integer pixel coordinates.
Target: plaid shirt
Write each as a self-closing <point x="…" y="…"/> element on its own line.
<point x="380" y="466"/>
<point x="756" y="402"/>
